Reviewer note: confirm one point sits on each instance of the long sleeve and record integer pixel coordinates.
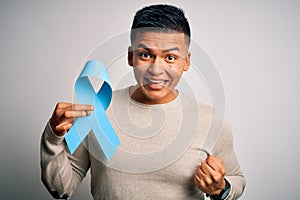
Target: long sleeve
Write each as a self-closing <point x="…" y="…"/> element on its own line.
<point x="61" y="172"/>
<point x="224" y="149"/>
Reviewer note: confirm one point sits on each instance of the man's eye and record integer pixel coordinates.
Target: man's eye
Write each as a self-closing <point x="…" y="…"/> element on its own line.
<point x="144" y="55"/>
<point x="171" y="58"/>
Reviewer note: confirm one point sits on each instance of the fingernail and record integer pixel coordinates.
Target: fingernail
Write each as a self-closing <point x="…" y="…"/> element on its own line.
<point x="88" y="112"/>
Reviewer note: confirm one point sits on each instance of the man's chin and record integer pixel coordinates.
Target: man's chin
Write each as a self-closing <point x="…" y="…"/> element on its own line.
<point x="158" y="95"/>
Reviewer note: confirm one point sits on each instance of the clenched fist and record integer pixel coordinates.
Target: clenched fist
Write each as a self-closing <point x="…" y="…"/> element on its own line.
<point x="209" y="176"/>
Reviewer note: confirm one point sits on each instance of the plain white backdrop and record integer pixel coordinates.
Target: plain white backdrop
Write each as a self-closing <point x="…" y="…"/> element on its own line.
<point x="254" y="44"/>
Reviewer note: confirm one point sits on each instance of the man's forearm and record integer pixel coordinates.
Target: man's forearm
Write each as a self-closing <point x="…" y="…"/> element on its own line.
<point x="61" y="172"/>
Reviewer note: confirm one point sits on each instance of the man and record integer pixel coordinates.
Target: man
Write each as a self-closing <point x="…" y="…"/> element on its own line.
<point x="159" y="54"/>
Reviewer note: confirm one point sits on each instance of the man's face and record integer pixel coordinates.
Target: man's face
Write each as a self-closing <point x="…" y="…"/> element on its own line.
<point x="159" y="59"/>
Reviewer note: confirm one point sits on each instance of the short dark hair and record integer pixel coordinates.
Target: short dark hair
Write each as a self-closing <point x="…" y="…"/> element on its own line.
<point x="161" y="17"/>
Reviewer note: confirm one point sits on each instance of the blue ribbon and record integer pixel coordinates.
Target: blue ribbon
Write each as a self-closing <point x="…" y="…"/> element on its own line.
<point x="97" y="121"/>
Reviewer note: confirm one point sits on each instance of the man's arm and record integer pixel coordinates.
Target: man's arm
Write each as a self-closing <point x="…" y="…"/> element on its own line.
<point x="223" y="165"/>
<point x="62" y="172"/>
<point x="224" y="149"/>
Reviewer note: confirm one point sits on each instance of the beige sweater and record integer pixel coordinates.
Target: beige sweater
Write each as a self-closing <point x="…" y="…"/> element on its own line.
<point x="157" y="158"/>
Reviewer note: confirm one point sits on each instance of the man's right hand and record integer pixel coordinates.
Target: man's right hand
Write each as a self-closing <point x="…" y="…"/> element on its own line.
<point x="64" y="115"/>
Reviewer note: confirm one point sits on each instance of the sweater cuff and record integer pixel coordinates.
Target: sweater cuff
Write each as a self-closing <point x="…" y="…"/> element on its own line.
<point x="51" y="136"/>
<point x="231" y="193"/>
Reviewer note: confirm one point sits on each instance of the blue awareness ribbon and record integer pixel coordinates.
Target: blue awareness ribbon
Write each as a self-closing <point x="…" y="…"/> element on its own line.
<point x="98" y="120"/>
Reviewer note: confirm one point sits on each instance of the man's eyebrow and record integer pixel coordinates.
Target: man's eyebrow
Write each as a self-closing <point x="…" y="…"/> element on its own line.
<point x="165" y="50"/>
<point x="144" y="47"/>
<point x="171" y="49"/>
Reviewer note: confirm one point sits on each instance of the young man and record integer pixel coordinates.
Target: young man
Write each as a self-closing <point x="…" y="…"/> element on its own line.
<point x="159" y="54"/>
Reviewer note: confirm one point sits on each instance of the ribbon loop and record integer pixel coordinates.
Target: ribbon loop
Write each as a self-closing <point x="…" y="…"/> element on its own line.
<point x="98" y="120"/>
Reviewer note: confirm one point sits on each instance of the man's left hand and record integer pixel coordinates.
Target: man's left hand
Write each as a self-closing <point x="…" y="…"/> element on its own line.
<point x="209" y="176"/>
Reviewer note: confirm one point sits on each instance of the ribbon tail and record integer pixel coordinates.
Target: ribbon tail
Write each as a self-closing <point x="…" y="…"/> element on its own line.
<point x="76" y="134"/>
<point x="105" y="133"/>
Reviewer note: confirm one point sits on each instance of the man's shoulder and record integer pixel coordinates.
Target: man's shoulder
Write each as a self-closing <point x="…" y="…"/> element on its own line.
<point x="120" y="93"/>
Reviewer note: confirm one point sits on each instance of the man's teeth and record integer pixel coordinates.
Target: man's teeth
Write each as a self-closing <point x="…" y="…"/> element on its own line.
<point x="158" y="82"/>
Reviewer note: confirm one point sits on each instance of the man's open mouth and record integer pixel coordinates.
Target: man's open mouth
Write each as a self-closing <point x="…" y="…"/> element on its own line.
<point x="155" y="84"/>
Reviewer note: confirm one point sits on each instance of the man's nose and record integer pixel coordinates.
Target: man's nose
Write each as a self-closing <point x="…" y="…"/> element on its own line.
<point x="156" y="66"/>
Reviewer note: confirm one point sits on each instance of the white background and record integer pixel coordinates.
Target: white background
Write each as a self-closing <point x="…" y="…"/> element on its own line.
<point x="254" y="45"/>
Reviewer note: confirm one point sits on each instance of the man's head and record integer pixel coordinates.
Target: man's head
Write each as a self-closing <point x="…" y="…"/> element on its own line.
<point x="161" y="18"/>
<point x="160" y="38"/>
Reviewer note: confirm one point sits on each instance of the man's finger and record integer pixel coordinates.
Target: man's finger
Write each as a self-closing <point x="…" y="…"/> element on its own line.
<point x="216" y="164"/>
<point x="198" y="181"/>
<point x="206" y="168"/>
<point x="82" y="107"/>
<point x="210" y="173"/>
<point x="63" y="128"/>
<point x="200" y="173"/>
<point x="62" y="105"/>
<point x="203" y="183"/>
<point x="76" y="114"/>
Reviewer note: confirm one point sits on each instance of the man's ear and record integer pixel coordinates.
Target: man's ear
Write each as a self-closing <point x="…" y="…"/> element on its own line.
<point x="187" y="62"/>
<point x="130" y="56"/>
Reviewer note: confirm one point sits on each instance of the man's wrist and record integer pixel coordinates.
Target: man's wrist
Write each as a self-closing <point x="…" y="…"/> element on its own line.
<point x="224" y="193"/>
<point x="51" y="136"/>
